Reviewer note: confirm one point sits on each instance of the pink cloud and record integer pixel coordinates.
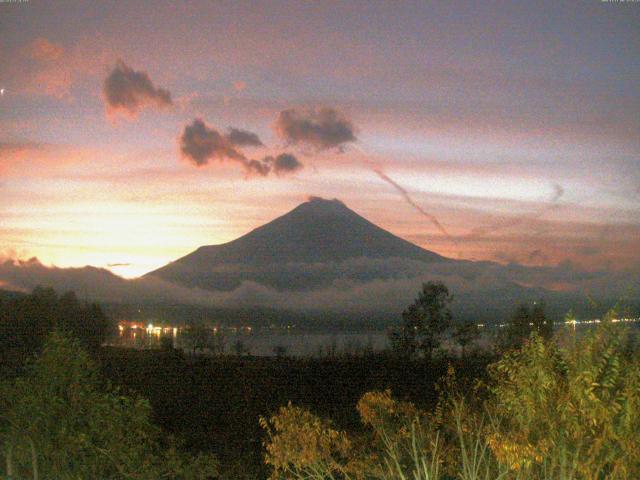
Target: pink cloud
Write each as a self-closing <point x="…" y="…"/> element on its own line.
<point x="48" y="68"/>
<point x="40" y="160"/>
<point x="43" y="50"/>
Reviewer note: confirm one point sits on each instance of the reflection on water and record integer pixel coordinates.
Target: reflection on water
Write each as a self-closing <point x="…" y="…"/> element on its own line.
<point x="286" y="341"/>
<point x="247" y="340"/>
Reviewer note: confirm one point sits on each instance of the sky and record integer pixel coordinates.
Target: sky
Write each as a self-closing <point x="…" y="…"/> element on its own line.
<point x="131" y="134"/>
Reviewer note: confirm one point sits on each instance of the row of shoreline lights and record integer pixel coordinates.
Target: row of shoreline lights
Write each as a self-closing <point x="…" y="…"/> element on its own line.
<point x="155" y="330"/>
<point x="575" y="322"/>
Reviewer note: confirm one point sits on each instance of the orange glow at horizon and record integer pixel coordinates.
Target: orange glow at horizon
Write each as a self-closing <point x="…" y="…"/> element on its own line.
<point x="134" y="230"/>
<point x="522" y="143"/>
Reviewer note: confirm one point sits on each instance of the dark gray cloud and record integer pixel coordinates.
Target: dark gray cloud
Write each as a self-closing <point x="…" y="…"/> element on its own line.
<point x="558" y="192"/>
<point x="321" y="129"/>
<point x="127" y="91"/>
<point x="92" y="283"/>
<point x="201" y="144"/>
<point x="243" y="138"/>
<point x="283" y="163"/>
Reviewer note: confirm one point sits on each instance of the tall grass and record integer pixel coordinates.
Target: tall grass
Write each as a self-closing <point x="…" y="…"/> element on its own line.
<point x="547" y="413"/>
<point x="424" y="464"/>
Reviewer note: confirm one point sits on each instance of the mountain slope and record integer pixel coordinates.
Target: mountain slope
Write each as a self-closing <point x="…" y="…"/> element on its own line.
<point x="301" y="249"/>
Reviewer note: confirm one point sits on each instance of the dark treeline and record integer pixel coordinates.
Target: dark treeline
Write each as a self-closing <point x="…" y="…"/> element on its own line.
<point x="27" y="320"/>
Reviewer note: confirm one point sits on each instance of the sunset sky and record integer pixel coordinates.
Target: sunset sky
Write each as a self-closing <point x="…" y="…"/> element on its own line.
<point x="514" y="127"/>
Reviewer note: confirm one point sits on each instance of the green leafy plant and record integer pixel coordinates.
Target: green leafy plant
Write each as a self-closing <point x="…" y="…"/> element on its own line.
<point x="60" y="421"/>
<point x="549" y="413"/>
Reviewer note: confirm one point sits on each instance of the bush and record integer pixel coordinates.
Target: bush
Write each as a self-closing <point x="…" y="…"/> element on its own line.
<point x="548" y="413"/>
<point x="570" y="411"/>
<point x="59" y="421"/>
<point x="302" y="446"/>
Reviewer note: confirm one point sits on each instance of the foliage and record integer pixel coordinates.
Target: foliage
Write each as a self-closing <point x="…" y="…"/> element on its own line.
<point x="401" y="443"/>
<point x="424" y="321"/>
<point x="572" y="409"/>
<point x="464" y="333"/>
<point x="524" y="322"/>
<point x="303" y="446"/>
<point x="240" y="348"/>
<point x="200" y="338"/>
<point x="549" y="413"/>
<point x="405" y="440"/>
<point x="27" y="321"/>
<point x="214" y="402"/>
<point x="57" y="422"/>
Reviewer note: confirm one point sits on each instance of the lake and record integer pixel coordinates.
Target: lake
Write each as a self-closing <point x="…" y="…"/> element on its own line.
<point x="283" y="341"/>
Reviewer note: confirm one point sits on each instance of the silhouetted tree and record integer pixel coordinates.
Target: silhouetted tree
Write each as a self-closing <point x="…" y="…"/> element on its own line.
<point x="464" y="333"/>
<point x="198" y="338"/>
<point x="240" y="348"/>
<point x="523" y="322"/>
<point x="424" y="321"/>
<point x="166" y="343"/>
<point x="219" y="342"/>
<point x="541" y="324"/>
<point x="27" y="320"/>
<point x="86" y="322"/>
<point x="280" y="351"/>
<point x="518" y="329"/>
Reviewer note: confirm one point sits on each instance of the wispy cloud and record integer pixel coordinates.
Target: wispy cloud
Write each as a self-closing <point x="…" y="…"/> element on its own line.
<point x="44" y="50"/>
<point x="558" y="192"/>
<point x="411" y="202"/>
<point x="46" y="67"/>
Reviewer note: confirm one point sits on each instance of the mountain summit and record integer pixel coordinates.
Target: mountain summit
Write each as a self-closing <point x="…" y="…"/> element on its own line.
<point x="293" y="251"/>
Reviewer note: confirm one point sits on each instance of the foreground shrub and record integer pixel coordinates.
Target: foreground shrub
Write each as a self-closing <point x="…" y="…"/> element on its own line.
<point x="548" y="413"/>
<point x="57" y="422"/>
<point x="303" y="446"/>
<point x="571" y="412"/>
